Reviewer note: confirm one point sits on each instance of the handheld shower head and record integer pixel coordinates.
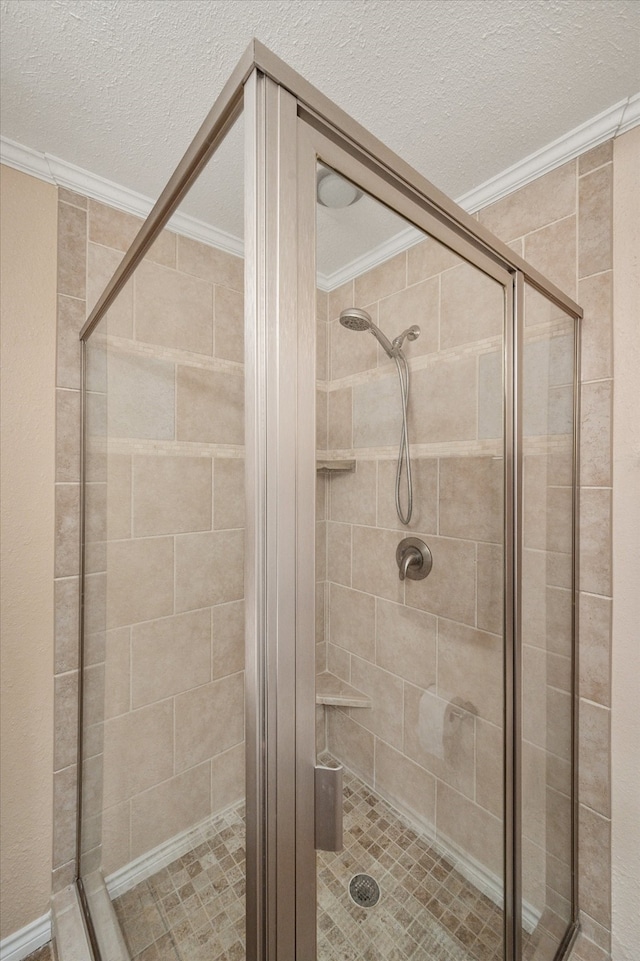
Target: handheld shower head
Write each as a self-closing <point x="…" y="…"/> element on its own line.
<point x="355" y="319"/>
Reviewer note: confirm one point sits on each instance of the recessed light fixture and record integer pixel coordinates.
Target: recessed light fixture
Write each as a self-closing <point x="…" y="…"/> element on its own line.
<point x="334" y="191"/>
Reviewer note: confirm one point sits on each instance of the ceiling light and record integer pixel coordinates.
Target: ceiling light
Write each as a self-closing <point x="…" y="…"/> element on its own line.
<point x="334" y="191"/>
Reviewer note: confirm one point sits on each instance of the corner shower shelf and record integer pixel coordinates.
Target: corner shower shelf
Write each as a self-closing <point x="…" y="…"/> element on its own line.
<point x="332" y="691"/>
<point x="335" y="466"/>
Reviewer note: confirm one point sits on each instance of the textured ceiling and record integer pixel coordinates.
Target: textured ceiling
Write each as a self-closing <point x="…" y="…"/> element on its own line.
<point x="462" y="89"/>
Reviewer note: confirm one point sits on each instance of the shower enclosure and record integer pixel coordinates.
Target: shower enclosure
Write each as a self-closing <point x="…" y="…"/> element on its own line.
<point x="316" y="723"/>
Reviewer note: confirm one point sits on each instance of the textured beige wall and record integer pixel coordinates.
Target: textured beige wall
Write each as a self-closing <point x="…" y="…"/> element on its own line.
<point x="625" y="731"/>
<point x="29" y="211"/>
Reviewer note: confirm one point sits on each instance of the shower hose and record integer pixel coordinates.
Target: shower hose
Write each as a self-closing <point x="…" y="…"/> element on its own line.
<point x="404" y="457"/>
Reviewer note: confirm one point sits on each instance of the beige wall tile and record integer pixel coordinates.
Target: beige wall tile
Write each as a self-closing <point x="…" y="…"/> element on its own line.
<point x="595" y="648"/>
<point x="552" y="251"/>
<point x="470" y="668"/>
<point x="209" y="569"/>
<point x="489" y="768"/>
<point x="418" y="304"/>
<point x="65" y="786"/>
<point x="229" y="324"/>
<point x="594" y="763"/>
<point x="470" y="827"/>
<point x="140" y="581"/>
<point x="117" y="673"/>
<point x="170" y="808"/>
<point x="173" y="309"/>
<point x="595" y="297"/>
<point x="65" y="700"/>
<point x="72" y="251"/>
<point x="595" y="434"/>
<point x="377" y="414"/>
<point x="71" y="197"/>
<point x="67" y="512"/>
<point x="141" y="397"/>
<point x="138" y="751"/>
<point x="339" y="299"/>
<point x="351" y="351"/>
<point x="339" y="419"/>
<point x="471" y="498"/>
<point x="352" y="621"/>
<point x="541" y="202"/>
<point x="350" y="743"/>
<point x="322" y="402"/>
<point x="101" y="266"/>
<point x="449" y="590"/>
<point x="171" y="494"/>
<point x="71" y="317"/>
<point x="339" y="662"/>
<point x="406" y="642"/>
<point x="210" y="406"/>
<point x="534" y="794"/>
<point x="424" y="473"/>
<point x="381" y="281"/>
<point x="227" y="778"/>
<point x="595" y="541"/>
<point x="210" y="264"/>
<point x="227" y="639"/>
<point x="117" y="229"/>
<point x="322" y="351"/>
<point x="339" y="553"/>
<point x="596" y="157"/>
<point x="321" y="551"/>
<point x="228" y="493"/>
<point x="321" y="596"/>
<point x="472" y="307"/>
<point x="429" y="258"/>
<point x="374" y="567"/>
<point x="66" y="593"/>
<point x="594" y="865"/>
<point x="384" y="718"/>
<point x="118" y="496"/>
<point x="489" y="588"/>
<point x="208" y="720"/>
<point x="67" y="435"/>
<point x="170" y="656"/>
<point x="443" y="405"/>
<point x="353" y="495"/>
<point x="115" y="837"/>
<point x="438" y="739"/>
<point x="595" y="236"/>
<point x="398" y="778"/>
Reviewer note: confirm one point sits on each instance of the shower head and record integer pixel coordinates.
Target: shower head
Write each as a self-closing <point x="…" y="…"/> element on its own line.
<point x="355" y="319"/>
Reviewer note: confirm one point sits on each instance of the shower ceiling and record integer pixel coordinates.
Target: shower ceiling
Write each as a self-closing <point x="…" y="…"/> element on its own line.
<point x="459" y="88"/>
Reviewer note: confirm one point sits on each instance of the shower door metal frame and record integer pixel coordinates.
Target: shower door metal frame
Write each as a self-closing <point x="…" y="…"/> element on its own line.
<point x="287" y="123"/>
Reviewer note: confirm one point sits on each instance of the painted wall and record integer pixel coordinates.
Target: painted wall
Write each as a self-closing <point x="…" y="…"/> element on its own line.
<point x="625" y="853"/>
<point x="28" y="247"/>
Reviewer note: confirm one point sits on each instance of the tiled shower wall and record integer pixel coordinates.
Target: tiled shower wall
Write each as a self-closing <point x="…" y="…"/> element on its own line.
<point x="428" y="652"/>
<point x="562" y="224"/>
<point x="165" y="635"/>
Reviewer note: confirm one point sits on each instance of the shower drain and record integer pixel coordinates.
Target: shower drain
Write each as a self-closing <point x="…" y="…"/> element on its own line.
<point x="364" y="890"/>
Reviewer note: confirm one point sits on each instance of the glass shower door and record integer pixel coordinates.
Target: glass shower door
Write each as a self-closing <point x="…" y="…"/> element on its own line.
<point x="409" y="668"/>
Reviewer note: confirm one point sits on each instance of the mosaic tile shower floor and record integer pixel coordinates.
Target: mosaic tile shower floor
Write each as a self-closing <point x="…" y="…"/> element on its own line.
<point x="193" y="909"/>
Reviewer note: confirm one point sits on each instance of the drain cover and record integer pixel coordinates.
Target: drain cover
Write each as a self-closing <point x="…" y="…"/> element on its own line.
<point x="364" y="890"/>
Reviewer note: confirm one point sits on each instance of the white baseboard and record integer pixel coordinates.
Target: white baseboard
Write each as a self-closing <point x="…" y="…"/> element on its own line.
<point x="153" y="861"/>
<point x="28" y="939"/>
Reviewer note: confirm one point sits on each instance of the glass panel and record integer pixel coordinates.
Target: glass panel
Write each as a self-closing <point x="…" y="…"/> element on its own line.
<point x="547" y="625"/>
<point x="409" y="672"/>
<point x="162" y="858"/>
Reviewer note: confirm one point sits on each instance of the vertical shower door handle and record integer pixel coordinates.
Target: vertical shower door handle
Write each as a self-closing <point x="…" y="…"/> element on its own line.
<point x="328" y="808"/>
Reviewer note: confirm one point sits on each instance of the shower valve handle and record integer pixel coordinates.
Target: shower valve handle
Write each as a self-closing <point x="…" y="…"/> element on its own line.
<point x="414" y="559"/>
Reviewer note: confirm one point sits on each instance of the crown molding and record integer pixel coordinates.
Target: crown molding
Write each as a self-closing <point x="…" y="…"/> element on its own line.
<point x="607" y="125"/>
<point x="613" y="122"/>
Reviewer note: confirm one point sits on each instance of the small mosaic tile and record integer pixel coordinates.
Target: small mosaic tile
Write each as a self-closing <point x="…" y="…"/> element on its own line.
<point x="193" y="909"/>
